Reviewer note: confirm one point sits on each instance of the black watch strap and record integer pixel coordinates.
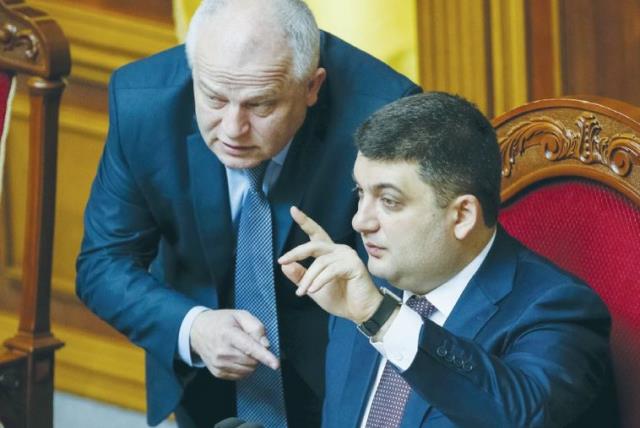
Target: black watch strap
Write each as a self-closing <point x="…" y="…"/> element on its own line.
<point x="373" y="325"/>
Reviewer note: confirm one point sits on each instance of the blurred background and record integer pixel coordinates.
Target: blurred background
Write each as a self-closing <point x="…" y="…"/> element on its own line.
<point x="497" y="53"/>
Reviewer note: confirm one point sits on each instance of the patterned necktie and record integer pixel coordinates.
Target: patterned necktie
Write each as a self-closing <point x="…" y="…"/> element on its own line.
<point x="259" y="397"/>
<point x="393" y="391"/>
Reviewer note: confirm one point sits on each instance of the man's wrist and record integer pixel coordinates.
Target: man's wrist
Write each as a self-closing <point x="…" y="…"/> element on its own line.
<point x="385" y="327"/>
<point x="385" y="309"/>
<point x="371" y="308"/>
<point x="185" y="348"/>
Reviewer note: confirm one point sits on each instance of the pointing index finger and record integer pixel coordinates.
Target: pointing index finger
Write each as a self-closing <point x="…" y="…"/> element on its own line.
<point x="308" y="226"/>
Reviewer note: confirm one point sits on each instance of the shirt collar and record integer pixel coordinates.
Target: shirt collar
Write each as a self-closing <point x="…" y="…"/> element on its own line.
<point x="282" y="154"/>
<point x="445" y="297"/>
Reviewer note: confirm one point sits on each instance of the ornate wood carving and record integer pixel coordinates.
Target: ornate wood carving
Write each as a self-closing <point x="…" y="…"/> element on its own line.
<point x="12" y="38"/>
<point x="618" y="153"/>
<point x="31" y="42"/>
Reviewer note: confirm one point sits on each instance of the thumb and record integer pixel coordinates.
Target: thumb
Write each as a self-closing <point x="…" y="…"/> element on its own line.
<point x="294" y="271"/>
<point x="252" y="326"/>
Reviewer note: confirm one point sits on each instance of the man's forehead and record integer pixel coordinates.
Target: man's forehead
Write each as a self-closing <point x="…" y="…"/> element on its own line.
<point x="239" y="50"/>
<point x="374" y="172"/>
<point x="241" y="28"/>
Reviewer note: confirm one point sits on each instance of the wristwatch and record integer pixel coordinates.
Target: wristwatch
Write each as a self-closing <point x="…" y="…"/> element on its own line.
<point x="389" y="304"/>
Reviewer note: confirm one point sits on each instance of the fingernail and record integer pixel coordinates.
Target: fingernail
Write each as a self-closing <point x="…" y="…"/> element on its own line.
<point x="264" y="342"/>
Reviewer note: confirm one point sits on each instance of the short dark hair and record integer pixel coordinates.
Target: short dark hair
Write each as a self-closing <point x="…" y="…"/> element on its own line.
<point x="453" y="143"/>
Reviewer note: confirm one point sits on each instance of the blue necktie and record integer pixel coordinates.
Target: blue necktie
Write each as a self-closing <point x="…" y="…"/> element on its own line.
<point x="259" y="397"/>
<point x="387" y="408"/>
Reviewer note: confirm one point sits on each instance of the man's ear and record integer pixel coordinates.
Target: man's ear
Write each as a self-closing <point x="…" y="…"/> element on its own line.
<point x="314" y="84"/>
<point x="467" y="212"/>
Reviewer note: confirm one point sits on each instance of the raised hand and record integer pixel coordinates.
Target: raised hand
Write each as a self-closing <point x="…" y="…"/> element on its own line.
<point x="337" y="280"/>
<point x="231" y="343"/>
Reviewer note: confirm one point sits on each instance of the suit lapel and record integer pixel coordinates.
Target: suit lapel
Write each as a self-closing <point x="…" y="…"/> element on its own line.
<point x="209" y="194"/>
<point x="474" y="309"/>
<point x="360" y="375"/>
<point x="359" y="378"/>
<point x="295" y="175"/>
<point x="489" y="285"/>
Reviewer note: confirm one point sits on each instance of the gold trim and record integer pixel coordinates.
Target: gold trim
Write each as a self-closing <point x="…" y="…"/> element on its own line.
<point x="109" y="371"/>
<point x="102" y="41"/>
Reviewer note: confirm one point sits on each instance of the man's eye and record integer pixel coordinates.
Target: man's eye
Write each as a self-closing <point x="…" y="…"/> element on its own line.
<point x="217" y="102"/>
<point x="389" y="203"/>
<point x="262" y="109"/>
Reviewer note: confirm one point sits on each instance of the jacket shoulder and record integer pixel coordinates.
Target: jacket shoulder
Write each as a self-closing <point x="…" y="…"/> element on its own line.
<point x="164" y="69"/>
<point x="353" y="71"/>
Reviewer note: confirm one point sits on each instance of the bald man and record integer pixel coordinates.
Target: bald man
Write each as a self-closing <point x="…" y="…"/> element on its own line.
<point x="208" y="148"/>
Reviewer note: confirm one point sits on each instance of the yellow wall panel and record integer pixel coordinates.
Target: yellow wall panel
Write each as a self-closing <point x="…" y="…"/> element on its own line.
<point x="102" y="41"/>
<point x="509" y="54"/>
<point x="79" y="147"/>
<point x="475" y="48"/>
<point x="385" y="29"/>
<point x="453" y="49"/>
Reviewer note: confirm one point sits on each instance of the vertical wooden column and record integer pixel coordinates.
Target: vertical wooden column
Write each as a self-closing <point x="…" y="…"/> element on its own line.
<point x="508" y="54"/>
<point x="544" y="58"/>
<point x="34" y="338"/>
<point x="454" y="49"/>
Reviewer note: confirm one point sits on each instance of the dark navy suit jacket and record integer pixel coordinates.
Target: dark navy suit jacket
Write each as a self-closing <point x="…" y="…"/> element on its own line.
<point x="525" y="346"/>
<point x="158" y="232"/>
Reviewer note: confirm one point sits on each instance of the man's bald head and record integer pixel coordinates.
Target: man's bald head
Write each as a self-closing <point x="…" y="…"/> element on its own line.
<point x="253" y="24"/>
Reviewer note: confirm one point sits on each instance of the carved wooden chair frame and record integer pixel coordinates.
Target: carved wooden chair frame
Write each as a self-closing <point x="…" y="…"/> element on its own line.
<point x="584" y="150"/>
<point x="593" y="138"/>
<point x="32" y="44"/>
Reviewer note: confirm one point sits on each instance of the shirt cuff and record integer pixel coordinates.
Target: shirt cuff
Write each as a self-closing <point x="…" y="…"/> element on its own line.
<point x="184" y="342"/>
<point x="399" y="345"/>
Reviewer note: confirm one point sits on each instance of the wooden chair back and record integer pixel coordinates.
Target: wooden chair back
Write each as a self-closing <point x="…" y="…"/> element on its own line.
<point x="33" y="45"/>
<point x="571" y="192"/>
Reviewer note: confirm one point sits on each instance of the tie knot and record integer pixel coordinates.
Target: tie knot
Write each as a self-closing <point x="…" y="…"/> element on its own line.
<point x="421" y="305"/>
<point x="256" y="175"/>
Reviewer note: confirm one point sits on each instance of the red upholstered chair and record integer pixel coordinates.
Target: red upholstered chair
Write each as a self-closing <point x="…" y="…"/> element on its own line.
<point x="32" y="45"/>
<point x="571" y="192"/>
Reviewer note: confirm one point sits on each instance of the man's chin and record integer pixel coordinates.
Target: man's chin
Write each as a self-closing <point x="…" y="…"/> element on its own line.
<point x="375" y="269"/>
<point x="235" y="162"/>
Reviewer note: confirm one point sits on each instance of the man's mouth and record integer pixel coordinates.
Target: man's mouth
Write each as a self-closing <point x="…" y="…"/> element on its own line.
<point x="236" y="148"/>
<point x="373" y="250"/>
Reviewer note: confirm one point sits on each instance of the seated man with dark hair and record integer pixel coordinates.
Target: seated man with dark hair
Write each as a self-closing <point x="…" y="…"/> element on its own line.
<point x="485" y="333"/>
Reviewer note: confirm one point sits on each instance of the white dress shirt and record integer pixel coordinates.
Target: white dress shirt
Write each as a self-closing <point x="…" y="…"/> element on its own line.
<point x="238" y="185"/>
<point x="400" y="343"/>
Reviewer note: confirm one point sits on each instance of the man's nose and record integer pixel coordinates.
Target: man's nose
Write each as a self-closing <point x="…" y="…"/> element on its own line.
<point x="364" y="220"/>
<point x="234" y="121"/>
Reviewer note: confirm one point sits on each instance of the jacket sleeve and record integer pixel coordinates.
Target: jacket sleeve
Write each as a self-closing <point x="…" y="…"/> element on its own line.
<point x="120" y="240"/>
<point x="544" y="371"/>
